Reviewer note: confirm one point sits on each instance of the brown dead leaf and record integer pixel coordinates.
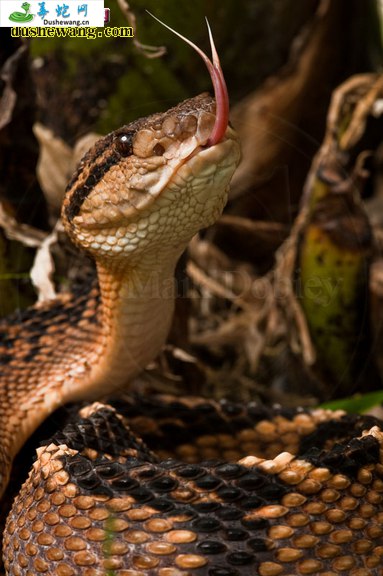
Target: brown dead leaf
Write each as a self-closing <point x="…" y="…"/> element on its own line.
<point x="43" y="267"/>
<point x="54" y="165"/>
<point x="57" y="162"/>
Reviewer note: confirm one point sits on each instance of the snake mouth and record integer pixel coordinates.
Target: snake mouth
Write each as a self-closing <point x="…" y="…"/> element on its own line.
<point x="205" y="158"/>
<point x="217" y="152"/>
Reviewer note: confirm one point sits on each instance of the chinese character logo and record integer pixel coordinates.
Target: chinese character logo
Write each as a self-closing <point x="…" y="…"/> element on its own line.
<point x="42" y="10"/>
<point x="84" y="9"/>
<point x="63" y="10"/>
<point x="21" y="17"/>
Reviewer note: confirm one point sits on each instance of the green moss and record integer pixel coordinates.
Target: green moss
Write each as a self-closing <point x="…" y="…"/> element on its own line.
<point x="142" y="90"/>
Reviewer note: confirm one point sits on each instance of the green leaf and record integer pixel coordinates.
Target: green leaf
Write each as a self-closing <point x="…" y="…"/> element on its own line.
<point x="358" y="403"/>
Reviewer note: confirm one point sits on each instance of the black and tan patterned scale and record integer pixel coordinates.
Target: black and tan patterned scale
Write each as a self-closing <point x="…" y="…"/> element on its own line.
<point x="98" y="501"/>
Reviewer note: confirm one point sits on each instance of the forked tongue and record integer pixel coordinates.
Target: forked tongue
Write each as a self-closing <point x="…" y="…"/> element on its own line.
<point x="219" y="84"/>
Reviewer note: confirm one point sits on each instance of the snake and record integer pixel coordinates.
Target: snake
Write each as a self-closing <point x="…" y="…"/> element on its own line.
<point x="136" y="485"/>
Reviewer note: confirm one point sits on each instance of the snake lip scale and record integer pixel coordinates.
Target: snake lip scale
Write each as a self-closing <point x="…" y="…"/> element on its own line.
<point x="167" y="486"/>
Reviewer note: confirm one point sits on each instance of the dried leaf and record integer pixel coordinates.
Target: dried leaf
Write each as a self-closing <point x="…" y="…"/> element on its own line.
<point x="43" y="267"/>
<point x="54" y="166"/>
<point x="27" y="235"/>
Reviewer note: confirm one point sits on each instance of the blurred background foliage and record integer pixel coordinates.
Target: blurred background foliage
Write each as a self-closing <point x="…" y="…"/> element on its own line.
<point x="100" y="84"/>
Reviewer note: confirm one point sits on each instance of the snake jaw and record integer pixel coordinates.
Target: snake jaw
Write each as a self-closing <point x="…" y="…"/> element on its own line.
<point x="218" y="80"/>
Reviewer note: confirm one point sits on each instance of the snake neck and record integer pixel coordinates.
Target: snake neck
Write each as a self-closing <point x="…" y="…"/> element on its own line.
<point x="90" y="349"/>
<point x="135" y="314"/>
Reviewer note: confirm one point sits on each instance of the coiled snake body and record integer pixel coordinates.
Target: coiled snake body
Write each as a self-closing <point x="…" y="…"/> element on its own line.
<point x="165" y="486"/>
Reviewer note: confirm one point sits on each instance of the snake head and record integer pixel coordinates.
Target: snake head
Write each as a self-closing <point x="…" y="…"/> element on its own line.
<point x="155" y="182"/>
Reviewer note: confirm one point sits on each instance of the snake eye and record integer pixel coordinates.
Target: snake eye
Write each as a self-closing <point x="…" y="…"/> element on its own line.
<point x="158" y="149"/>
<point x="124" y="144"/>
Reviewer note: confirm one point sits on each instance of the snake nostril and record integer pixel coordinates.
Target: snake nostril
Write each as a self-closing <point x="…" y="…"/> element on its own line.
<point x="158" y="149"/>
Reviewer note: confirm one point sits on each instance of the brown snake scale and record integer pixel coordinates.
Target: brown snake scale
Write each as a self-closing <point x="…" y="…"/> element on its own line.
<point x="164" y="486"/>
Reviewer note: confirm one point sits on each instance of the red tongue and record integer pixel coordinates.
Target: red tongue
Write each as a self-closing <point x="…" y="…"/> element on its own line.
<point x="219" y="84"/>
